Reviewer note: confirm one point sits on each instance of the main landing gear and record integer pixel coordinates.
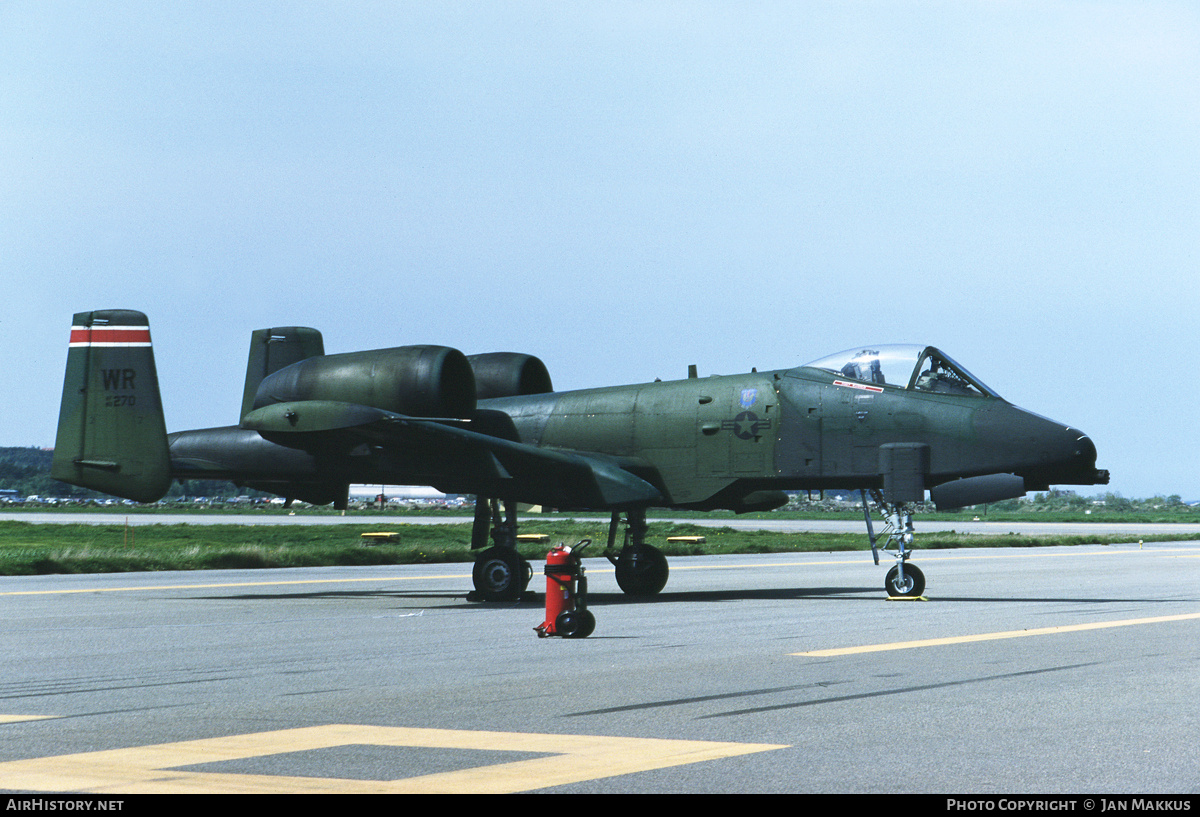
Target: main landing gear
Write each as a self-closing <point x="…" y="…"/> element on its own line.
<point x="903" y="580"/>
<point x="500" y="573"/>
<point x="641" y="568"/>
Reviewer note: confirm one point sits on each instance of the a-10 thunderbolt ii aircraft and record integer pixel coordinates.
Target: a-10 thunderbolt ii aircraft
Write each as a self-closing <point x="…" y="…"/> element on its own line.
<point x="890" y="421"/>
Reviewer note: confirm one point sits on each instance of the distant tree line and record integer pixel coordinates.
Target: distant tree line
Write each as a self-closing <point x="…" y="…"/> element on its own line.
<point x="1060" y="500"/>
<point x="27" y="470"/>
<point x="1053" y="501"/>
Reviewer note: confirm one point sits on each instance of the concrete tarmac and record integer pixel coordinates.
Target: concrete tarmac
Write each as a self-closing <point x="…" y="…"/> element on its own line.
<point x="1053" y="670"/>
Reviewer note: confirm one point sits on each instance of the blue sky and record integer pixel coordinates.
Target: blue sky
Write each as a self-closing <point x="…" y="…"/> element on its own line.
<point x="622" y="189"/>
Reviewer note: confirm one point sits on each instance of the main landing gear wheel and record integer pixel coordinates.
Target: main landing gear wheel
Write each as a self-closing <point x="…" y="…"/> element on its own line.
<point x="641" y="570"/>
<point x="500" y="574"/>
<point x="912" y="586"/>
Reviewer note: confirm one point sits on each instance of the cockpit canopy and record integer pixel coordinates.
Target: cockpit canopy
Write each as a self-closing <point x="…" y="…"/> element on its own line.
<point x="921" y="368"/>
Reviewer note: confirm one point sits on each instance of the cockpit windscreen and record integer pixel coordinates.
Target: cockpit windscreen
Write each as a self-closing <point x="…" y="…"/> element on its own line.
<point x="921" y="368"/>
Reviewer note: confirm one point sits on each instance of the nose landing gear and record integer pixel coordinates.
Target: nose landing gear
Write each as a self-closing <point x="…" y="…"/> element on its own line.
<point x="904" y="580"/>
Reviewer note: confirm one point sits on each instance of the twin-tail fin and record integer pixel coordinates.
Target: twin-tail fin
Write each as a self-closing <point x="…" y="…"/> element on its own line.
<point x="273" y="349"/>
<point x="111" y="433"/>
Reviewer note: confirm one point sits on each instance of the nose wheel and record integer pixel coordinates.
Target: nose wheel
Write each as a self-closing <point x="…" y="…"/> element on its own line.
<point x="909" y="585"/>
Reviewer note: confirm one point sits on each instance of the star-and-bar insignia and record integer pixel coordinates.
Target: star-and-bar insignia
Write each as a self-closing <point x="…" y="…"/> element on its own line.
<point x="746" y="426"/>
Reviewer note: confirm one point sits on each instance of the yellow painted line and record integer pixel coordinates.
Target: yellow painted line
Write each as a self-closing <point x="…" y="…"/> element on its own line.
<point x="968" y="639"/>
<point x="925" y="556"/>
<point x="157" y="769"/>
<point x="810" y="563"/>
<point x="22" y="718"/>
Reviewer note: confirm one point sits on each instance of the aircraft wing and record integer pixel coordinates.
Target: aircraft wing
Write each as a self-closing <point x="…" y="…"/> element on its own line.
<point x="453" y="456"/>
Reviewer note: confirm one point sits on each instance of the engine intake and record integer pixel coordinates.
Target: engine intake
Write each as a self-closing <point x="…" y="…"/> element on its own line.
<point x="509" y="374"/>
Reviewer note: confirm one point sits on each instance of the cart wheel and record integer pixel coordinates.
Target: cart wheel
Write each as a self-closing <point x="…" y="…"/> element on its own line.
<point x="577" y="624"/>
<point x="587" y="624"/>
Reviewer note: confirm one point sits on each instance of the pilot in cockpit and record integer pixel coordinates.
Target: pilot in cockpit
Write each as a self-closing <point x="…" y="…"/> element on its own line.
<point x="942" y="379"/>
<point x="865" y="366"/>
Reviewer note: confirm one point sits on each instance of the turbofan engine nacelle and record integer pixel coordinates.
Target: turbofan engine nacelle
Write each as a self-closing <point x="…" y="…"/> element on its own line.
<point x="418" y="381"/>
<point x="509" y="374"/>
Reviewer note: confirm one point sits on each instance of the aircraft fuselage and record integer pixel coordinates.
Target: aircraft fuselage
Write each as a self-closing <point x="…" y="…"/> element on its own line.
<point x="709" y="442"/>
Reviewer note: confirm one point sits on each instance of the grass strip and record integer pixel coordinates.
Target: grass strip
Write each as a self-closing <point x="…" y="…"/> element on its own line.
<point x="28" y="548"/>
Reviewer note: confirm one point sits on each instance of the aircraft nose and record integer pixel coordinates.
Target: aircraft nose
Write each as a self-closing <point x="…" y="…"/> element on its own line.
<point x="1079" y="449"/>
<point x="1048" y="451"/>
<point x="1084" y="459"/>
<point x="1085" y="450"/>
<point x="1070" y="456"/>
<point x="1058" y="444"/>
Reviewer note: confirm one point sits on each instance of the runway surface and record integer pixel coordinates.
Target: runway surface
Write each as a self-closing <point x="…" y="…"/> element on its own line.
<point x="1056" y="670"/>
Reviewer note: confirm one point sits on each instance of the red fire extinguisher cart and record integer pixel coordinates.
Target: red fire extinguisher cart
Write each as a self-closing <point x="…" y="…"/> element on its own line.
<point x="566" y="594"/>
